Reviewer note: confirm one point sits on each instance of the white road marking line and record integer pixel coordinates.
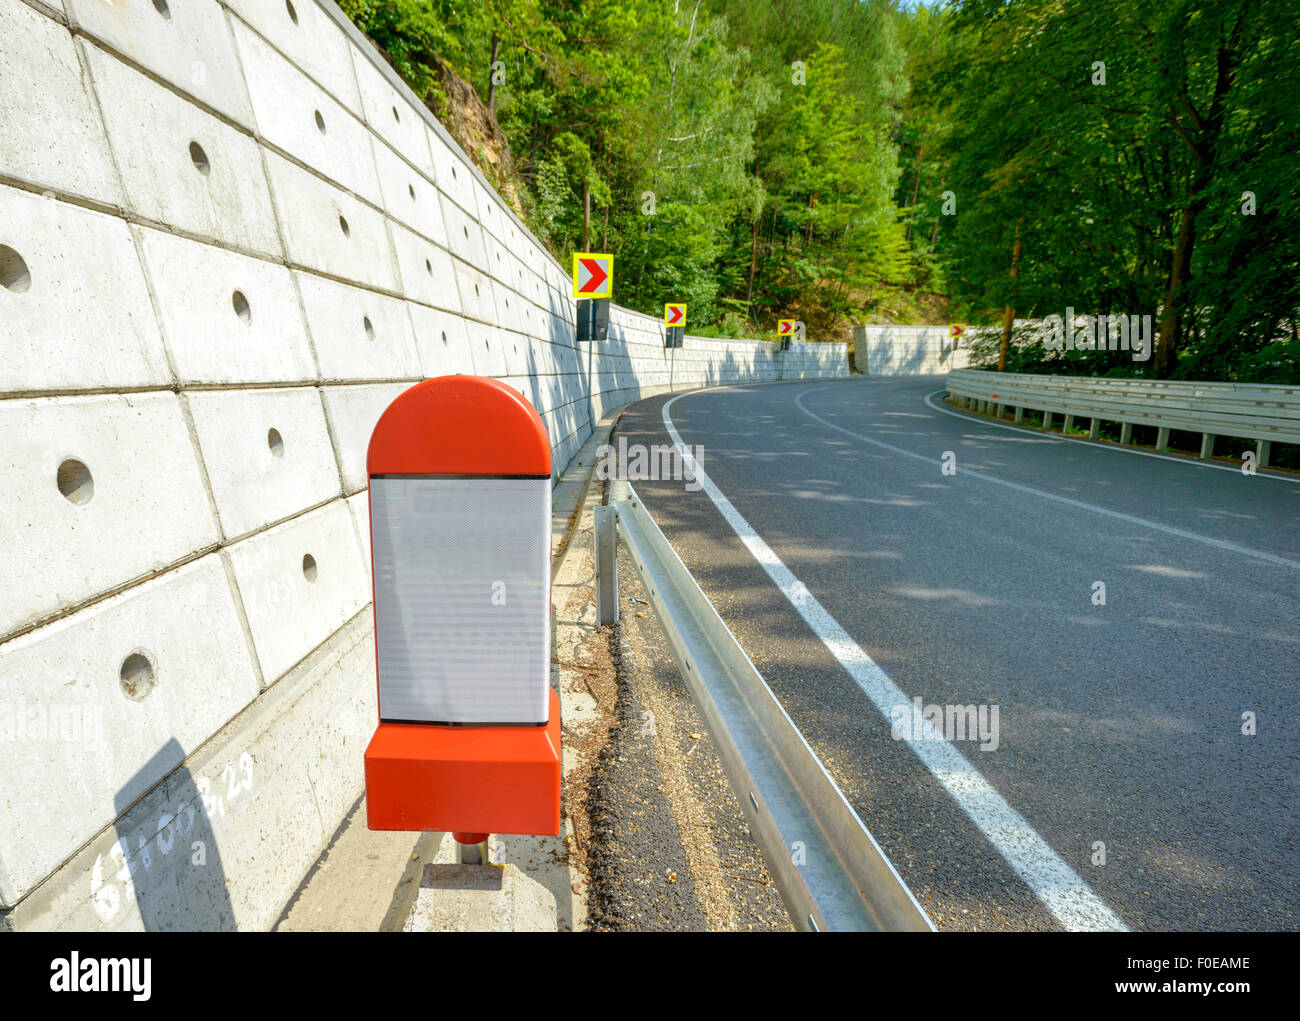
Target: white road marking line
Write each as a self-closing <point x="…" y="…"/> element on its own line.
<point x="1231" y="547"/>
<point x="1058" y="886"/>
<point x="1189" y="462"/>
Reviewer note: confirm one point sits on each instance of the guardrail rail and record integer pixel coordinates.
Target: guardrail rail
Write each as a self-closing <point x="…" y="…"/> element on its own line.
<point x="829" y="870"/>
<point x="1262" y="412"/>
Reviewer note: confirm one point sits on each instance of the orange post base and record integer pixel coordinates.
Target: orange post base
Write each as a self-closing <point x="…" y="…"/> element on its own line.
<point x="467" y="779"/>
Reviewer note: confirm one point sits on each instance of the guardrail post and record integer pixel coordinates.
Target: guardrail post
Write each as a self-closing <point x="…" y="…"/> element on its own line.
<point x="1020" y="413"/>
<point x="1162" y="438"/>
<point x="1094" y="429"/>
<point x="1262" y="448"/>
<point x="1207" y="446"/>
<point x="1047" y="420"/>
<point x="606" y="541"/>
<point x="1069" y="421"/>
<point x="1126" y="433"/>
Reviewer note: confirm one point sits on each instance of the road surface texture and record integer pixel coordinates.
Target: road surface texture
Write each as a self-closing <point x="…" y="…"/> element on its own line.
<point x="1125" y="789"/>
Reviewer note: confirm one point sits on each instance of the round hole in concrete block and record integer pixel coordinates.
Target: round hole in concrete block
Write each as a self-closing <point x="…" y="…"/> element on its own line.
<point x="161" y="7"/>
<point x="242" y="308"/>
<point x="343" y="226"/>
<point x="75" y="481"/>
<point x="200" y="159"/>
<point x="411" y="189"/>
<point x="14" y="274"/>
<point x="137" y="676"/>
<point x="444" y="338"/>
<point x="320" y="122"/>
<point x="276" y="442"/>
<point x="428" y="266"/>
<point x="466" y="230"/>
<point x="396" y="116"/>
<point x="476" y="293"/>
<point x="369" y="327"/>
<point x="293" y="15"/>
<point x="453" y="170"/>
<point x="309" y="567"/>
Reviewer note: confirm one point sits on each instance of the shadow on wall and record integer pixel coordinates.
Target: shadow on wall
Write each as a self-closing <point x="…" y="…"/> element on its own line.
<point x="166" y="856"/>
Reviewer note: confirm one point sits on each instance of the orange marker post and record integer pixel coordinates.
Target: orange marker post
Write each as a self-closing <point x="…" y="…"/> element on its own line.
<point x="469" y="728"/>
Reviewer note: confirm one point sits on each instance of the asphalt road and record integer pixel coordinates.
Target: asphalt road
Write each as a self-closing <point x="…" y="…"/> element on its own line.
<point x="1119" y="724"/>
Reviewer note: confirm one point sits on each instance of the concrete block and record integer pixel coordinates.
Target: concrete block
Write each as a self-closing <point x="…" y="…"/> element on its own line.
<point x="359" y="505"/>
<point x="267" y="452"/>
<point x="227" y="318"/>
<point x="310" y="39"/>
<point x="389" y="114"/>
<point x="443" y="343"/>
<point x="509" y="307"/>
<point x="224" y="841"/>
<point x="352" y="412"/>
<point x="296" y="115"/>
<point x="299" y="583"/>
<point x="451" y="172"/>
<point x="425" y="270"/>
<point x="477" y="300"/>
<point x="185" y="44"/>
<point x="135" y="500"/>
<point x="326" y="229"/>
<point x="181" y="166"/>
<point x="88" y="743"/>
<point x="358" y="334"/>
<point x="489" y="345"/>
<point x="74" y="309"/>
<point x="464" y="235"/>
<point x="44" y="86"/>
<point x="481" y="898"/>
<point x="409" y="196"/>
<point x="491" y="213"/>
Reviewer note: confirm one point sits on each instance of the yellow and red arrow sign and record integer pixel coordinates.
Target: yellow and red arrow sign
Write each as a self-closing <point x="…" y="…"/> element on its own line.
<point x="675" y="314"/>
<point x="593" y="274"/>
<point x="786" y="327"/>
<point x="956" y="329"/>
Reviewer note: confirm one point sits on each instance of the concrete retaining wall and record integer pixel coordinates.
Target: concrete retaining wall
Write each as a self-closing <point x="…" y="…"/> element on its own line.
<point x="228" y="238"/>
<point x="907" y="351"/>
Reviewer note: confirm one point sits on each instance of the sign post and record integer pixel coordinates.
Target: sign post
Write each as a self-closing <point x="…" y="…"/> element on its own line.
<point x="593" y="283"/>
<point x="674" y="333"/>
<point x="460" y="519"/>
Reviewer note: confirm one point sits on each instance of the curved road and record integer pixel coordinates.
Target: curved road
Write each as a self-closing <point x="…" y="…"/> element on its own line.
<point x="860" y="576"/>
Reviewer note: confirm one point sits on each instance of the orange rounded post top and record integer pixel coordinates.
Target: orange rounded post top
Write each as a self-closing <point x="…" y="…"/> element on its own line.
<point x="460" y="425"/>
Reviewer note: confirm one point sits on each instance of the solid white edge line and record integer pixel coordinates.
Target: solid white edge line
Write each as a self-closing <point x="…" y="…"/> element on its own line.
<point x="1060" y="889"/>
<point x="974" y="419"/>
<point x="1222" y="544"/>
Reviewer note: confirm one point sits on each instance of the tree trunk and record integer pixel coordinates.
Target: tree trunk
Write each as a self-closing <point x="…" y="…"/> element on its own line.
<point x="1009" y="316"/>
<point x="1201" y="135"/>
<point x="753" y="258"/>
<point x="916" y="189"/>
<point x="586" y="217"/>
<point x="492" y="73"/>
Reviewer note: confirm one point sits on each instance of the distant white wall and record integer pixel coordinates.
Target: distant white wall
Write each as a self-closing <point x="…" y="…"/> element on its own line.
<point x="228" y="238"/>
<point x="907" y="350"/>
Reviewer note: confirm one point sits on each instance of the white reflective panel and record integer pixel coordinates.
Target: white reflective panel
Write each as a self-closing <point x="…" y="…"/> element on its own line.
<point x="462" y="598"/>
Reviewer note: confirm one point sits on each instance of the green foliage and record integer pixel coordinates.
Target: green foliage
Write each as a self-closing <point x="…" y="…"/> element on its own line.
<point x="769" y="158"/>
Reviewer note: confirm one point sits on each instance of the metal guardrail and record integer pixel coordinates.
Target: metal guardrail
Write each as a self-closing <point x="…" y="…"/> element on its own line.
<point x="829" y="870"/>
<point x="1261" y="412"/>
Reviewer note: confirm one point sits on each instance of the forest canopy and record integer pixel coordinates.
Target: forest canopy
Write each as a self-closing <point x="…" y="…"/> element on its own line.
<point x="842" y="161"/>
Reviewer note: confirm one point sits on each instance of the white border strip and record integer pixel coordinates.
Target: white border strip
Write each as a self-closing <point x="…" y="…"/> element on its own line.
<point x="1058" y="886"/>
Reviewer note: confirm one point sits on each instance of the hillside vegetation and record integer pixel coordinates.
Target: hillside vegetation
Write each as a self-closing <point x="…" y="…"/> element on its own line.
<point x="842" y="161"/>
